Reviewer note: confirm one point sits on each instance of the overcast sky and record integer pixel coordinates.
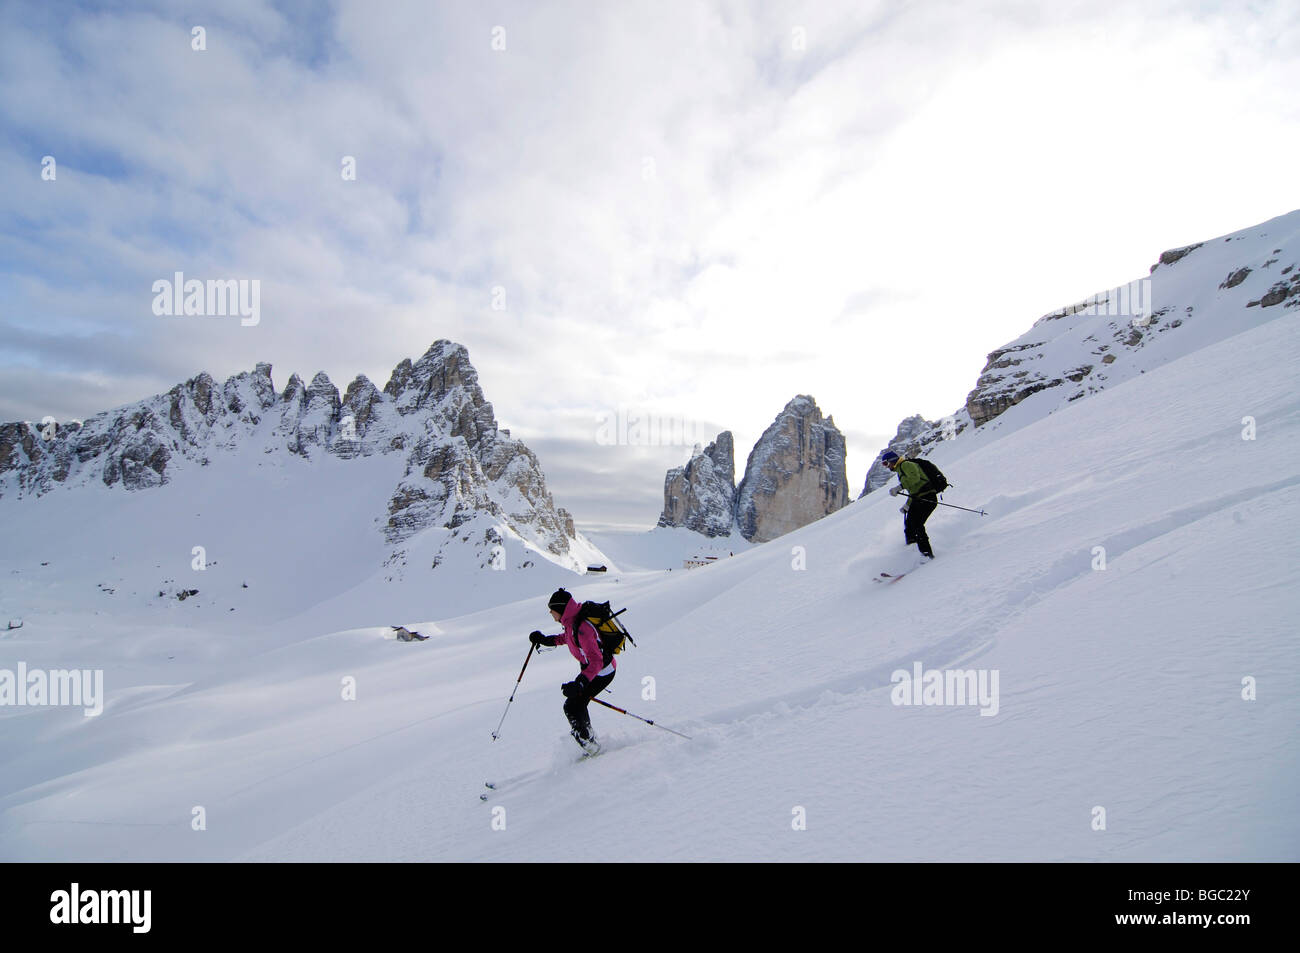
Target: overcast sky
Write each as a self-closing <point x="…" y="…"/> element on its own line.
<point x="688" y="212"/>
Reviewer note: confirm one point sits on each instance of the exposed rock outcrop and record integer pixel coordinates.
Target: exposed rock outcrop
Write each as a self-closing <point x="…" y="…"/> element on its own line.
<point x="701" y="495"/>
<point x="1236" y="278"/>
<point x="1280" y="292"/>
<point x="1175" y="255"/>
<point x="795" y="474"/>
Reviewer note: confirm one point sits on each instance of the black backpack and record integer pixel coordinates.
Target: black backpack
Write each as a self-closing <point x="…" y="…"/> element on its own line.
<point x="609" y="631"/>
<point x="933" y="475"/>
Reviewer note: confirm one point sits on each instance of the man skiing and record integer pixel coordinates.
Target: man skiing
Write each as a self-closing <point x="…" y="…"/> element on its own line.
<point x="923" y="499"/>
<point x="596" y="674"/>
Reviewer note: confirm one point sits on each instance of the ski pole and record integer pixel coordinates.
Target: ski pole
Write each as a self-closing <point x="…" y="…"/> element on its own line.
<point x="953" y="505"/>
<point x="496" y="733"/>
<point x="639" y="718"/>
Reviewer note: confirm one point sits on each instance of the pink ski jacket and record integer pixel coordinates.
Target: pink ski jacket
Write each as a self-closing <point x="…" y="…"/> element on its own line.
<point x="584" y="645"/>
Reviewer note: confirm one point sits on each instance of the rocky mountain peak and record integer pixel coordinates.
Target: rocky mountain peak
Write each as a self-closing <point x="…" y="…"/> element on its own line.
<point x="795" y="473"/>
<point x="458" y="464"/>
<point x="700" y="496"/>
<point x="294" y="390"/>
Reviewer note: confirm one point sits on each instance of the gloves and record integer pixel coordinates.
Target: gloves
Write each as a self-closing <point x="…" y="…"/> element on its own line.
<point x="576" y="688"/>
<point x="903" y="509"/>
<point x="895" y="490"/>
<point x="536" y="638"/>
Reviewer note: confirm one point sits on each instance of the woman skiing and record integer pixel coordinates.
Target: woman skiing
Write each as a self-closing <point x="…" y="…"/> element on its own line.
<point x="596" y="673"/>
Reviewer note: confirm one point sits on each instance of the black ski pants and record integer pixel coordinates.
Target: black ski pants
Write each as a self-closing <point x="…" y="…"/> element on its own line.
<point x="575" y="709"/>
<point x="919" y="509"/>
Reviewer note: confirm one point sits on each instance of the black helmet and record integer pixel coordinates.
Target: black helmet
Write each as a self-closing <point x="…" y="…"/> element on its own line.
<point x="559" y="600"/>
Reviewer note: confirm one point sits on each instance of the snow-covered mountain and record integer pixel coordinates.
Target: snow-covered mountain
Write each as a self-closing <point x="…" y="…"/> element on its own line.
<point x="1193" y="296"/>
<point x="1124" y="617"/>
<point x="429" y="476"/>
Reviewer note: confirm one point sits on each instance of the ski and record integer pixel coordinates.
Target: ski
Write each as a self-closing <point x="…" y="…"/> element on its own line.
<point x="892" y="577"/>
<point x="508" y="783"/>
<point x="495" y="786"/>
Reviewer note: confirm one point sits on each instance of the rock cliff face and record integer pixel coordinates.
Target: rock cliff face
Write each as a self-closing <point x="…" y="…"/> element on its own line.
<point x="462" y="465"/>
<point x="701" y="495"/>
<point x="794" y="475"/>
<point x="458" y="464"/>
<point x="1087" y="343"/>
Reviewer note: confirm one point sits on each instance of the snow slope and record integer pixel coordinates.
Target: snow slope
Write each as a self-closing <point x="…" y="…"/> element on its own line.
<point x="302" y="542"/>
<point x="1119" y="689"/>
<point x="664" y="547"/>
<point x="1195" y="296"/>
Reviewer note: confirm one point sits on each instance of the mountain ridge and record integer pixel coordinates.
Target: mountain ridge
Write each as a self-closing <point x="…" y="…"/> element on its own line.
<point x="458" y="463"/>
